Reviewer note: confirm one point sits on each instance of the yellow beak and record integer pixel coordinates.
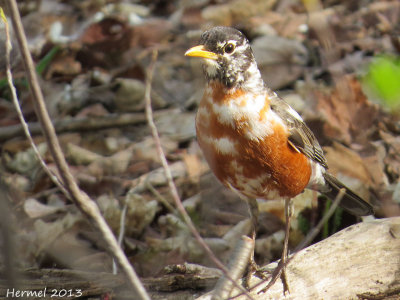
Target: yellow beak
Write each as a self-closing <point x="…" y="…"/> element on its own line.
<point x="199" y="51"/>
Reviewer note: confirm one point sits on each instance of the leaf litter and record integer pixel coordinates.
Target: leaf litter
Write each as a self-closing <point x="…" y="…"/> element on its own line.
<point x="99" y="55"/>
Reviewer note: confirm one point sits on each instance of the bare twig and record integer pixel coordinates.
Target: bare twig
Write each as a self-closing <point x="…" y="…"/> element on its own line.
<point x="78" y="124"/>
<point x="24" y="125"/>
<point x="122" y="223"/>
<point x="121" y="231"/>
<point x="168" y="175"/>
<point x="159" y="197"/>
<point x="82" y="200"/>
<point x="314" y="232"/>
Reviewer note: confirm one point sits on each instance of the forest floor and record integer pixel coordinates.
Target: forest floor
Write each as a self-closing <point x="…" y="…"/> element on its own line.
<point x="337" y="64"/>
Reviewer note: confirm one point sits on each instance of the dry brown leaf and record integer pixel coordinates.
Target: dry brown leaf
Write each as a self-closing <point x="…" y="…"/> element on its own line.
<point x="140" y="213"/>
<point x="146" y="149"/>
<point x="280" y="60"/>
<point x="95" y="110"/>
<point x="194" y="165"/>
<point x="178" y="125"/>
<point x="151" y="33"/>
<point x="349" y="167"/>
<point x="35" y="209"/>
<point x="25" y="162"/>
<point x="65" y="66"/>
<point x="116" y="164"/>
<point x="346" y="111"/>
<point x="374" y="154"/>
<point x="80" y="156"/>
<point x="47" y="233"/>
<point x="237" y="11"/>
<point x="108" y="35"/>
<point x="129" y="96"/>
<point x="392" y="158"/>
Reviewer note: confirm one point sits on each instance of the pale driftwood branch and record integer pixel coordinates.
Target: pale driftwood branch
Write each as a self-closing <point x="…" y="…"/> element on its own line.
<point x="238" y="263"/>
<point x="359" y="262"/>
<point x="85" y="204"/>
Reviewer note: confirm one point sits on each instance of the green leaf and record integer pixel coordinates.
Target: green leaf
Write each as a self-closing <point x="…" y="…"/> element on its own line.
<point x="304" y="224"/>
<point x="325" y="228"/>
<point x="337" y="220"/>
<point x="383" y="80"/>
<point x="46" y="60"/>
<point x="40" y="67"/>
<point x="2" y="15"/>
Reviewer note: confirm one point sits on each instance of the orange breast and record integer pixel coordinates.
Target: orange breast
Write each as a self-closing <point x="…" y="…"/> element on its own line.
<point x="268" y="168"/>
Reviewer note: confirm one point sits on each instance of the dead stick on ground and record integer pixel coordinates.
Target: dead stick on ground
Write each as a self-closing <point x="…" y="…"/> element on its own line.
<point x="84" y="203"/>
<point x="121" y="231"/>
<point x="160" y="198"/>
<point x="168" y="175"/>
<point x="239" y="261"/>
<point x="78" y="124"/>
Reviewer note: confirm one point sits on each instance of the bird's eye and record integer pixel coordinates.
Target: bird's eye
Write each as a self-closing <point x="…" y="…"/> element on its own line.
<point x="229" y="48"/>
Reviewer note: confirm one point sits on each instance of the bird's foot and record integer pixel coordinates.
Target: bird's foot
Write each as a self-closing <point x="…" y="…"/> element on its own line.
<point x="284" y="279"/>
<point x="273" y="275"/>
<point x="256" y="270"/>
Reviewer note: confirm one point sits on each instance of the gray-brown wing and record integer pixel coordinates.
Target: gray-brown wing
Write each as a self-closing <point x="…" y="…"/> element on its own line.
<point x="301" y="137"/>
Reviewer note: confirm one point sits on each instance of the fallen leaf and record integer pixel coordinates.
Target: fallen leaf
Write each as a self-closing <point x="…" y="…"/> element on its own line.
<point x="35" y="209"/>
<point x="347" y="113"/>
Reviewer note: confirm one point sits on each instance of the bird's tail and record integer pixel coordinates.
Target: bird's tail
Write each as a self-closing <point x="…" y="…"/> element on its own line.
<point x="350" y="201"/>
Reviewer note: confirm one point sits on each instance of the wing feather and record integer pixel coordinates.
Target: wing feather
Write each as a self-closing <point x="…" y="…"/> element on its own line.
<point x="300" y="136"/>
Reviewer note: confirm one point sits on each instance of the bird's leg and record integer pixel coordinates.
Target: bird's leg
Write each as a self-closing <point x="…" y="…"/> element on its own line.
<point x="253" y="267"/>
<point x="288" y="217"/>
<point x="280" y="269"/>
<point x="253" y="212"/>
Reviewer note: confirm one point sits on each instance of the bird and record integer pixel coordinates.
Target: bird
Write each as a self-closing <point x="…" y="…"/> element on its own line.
<point x="254" y="142"/>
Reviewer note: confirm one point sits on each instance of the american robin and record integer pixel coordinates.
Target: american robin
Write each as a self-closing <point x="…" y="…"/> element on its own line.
<point x="253" y="141"/>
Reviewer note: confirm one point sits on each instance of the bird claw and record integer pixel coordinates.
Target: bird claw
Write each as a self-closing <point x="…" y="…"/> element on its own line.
<point x="278" y="272"/>
<point x="254" y="269"/>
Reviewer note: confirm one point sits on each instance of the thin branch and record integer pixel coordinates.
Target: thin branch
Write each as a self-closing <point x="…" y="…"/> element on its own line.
<point x="121" y="231"/>
<point x="122" y="223"/>
<point x="82" y="200"/>
<point x="160" y="197"/>
<point x="314" y="232"/>
<point x="14" y="97"/>
<point x="77" y="124"/>
<point x="171" y="184"/>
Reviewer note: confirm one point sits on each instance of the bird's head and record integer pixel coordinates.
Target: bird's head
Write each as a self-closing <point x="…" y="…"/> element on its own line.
<point x="227" y="58"/>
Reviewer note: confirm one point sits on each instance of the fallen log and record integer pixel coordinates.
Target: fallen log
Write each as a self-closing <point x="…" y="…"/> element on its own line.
<point x="359" y="262"/>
